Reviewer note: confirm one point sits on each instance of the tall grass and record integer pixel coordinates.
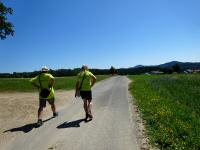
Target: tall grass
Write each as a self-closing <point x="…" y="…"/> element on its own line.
<point x="170" y="104"/>
<point x="23" y="84"/>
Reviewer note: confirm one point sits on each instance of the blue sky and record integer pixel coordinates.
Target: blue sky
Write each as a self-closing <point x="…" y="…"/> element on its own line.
<point x="100" y="33"/>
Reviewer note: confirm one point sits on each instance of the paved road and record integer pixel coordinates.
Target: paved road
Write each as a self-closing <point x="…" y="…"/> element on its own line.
<point x="111" y="129"/>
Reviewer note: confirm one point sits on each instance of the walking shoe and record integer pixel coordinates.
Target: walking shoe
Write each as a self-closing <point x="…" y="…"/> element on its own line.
<point x="86" y="116"/>
<point x="90" y="116"/>
<point x="39" y="123"/>
<point x="55" y="114"/>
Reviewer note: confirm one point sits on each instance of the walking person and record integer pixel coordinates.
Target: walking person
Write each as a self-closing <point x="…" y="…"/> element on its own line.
<point x="85" y="81"/>
<point x="44" y="82"/>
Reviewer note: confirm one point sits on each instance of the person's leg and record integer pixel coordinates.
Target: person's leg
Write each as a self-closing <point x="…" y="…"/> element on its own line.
<point x="82" y="93"/>
<point x="85" y="106"/>
<point x="40" y="112"/>
<point x="55" y="113"/>
<point x="89" y="107"/>
<point x="53" y="107"/>
<point x="89" y="104"/>
<point x="42" y="104"/>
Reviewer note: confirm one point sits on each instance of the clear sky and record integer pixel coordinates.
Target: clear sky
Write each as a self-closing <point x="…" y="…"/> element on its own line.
<point x="100" y="33"/>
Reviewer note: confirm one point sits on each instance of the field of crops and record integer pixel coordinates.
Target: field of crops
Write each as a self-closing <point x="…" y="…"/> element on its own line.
<point x="23" y="84"/>
<point x="170" y="105"/>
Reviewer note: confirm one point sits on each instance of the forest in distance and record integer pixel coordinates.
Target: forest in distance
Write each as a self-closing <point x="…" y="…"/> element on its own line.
<point x="167" y="68"/>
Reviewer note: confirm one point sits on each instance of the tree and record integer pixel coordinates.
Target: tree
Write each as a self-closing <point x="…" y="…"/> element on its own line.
<point x="112" y="70"/>
<point x="6" y="27"/>
<point x="177" y="68"/>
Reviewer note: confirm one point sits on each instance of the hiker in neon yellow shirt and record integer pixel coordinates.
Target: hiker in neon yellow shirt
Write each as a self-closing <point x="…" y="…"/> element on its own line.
<point x="45" y="82"/>
<point x="85" y="81"/>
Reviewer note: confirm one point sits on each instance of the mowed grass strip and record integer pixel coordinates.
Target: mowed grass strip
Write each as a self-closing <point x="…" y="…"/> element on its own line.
<point x="23" y="84"/>
<point x="170" y="105"/>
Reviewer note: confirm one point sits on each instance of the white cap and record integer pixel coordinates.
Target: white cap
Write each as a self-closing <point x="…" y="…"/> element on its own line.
<point x="45" y="69"/>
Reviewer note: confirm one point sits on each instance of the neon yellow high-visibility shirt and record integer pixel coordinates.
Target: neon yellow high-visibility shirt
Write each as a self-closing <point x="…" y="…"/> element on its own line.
<point x="45" y="79"/>
<point x="86" y="85"/>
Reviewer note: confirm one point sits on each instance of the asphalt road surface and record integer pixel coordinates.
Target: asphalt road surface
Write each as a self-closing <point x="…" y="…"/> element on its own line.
<point x="111" y="129"/>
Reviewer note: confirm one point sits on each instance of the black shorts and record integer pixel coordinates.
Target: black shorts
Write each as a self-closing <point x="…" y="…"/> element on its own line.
<point x="86" y="95"/>
<point x="44" y="101"/>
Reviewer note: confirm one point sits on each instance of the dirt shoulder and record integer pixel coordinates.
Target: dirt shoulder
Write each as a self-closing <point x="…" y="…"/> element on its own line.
<point x="18" y="112"/>
<point x="142" y="138"/>
<point x="140" y="129"/>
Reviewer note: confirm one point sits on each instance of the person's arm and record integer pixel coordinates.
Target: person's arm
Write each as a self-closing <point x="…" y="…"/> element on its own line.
<point x="35" y="85"/>
<point x="77" y="82"/>
<point x="77" y="85"/>
<point x="76" y="88"/>
<point x="94" y="79"/>
<point x="33" y="82"/>
<point x="52" y="82"/>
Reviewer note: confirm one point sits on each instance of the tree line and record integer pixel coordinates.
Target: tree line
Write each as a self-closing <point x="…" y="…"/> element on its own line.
<point x="111" y="71"/>
<point x="56" y="73"/>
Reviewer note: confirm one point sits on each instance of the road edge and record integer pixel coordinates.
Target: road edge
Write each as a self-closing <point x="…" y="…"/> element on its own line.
<point x="140" y="128"/>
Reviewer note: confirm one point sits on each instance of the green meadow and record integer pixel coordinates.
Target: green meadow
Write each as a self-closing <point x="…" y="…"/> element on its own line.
<point x="170" y="106"/>
<point x="23" y="84"/>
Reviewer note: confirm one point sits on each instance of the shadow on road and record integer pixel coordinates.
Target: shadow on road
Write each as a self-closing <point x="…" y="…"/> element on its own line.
<point x="26" y="128"/>
<point x="72" y="124"/>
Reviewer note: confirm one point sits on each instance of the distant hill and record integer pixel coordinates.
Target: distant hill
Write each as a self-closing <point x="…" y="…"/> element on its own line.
<point x="183" y="65"/>
<point x="138" y="66"/>
<point x="169" y="64"/>
<point x="166" y="68"/>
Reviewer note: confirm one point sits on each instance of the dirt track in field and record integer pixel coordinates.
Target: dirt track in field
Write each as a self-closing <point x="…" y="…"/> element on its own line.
<point x="18" y="111"/>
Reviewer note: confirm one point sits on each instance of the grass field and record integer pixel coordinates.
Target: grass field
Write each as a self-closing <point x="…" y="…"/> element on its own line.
<point x="170" y="105"/>
<point x="23" y="84"/>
